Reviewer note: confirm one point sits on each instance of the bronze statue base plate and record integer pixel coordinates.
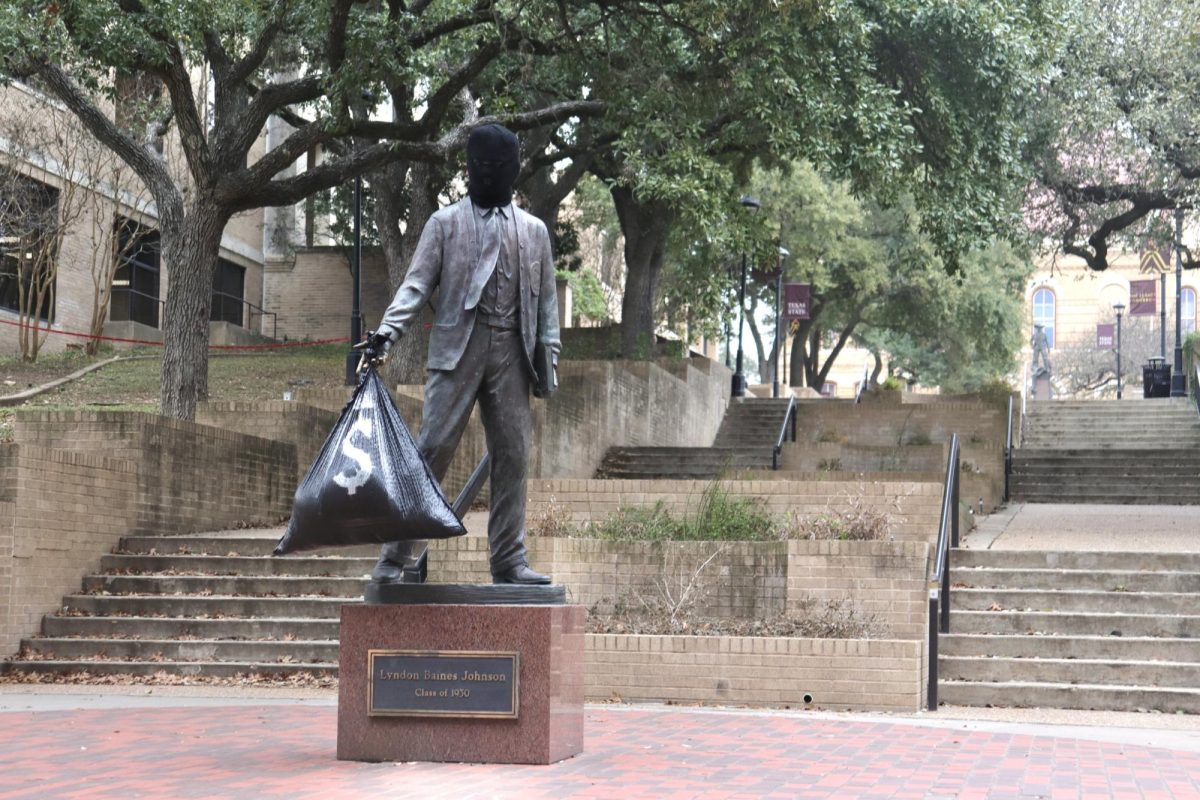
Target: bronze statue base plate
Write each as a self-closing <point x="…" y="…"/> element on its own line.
<point x="470" y="594"/>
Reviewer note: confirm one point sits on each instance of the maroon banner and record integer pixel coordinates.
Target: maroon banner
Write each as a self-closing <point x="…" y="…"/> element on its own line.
<point x="1106" y="336"/>
<point x="796" y="299"/>
<point x="1142" y="297"/>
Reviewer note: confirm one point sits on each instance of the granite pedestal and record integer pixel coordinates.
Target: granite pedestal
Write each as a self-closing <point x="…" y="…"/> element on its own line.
<point x="547" y="639"/>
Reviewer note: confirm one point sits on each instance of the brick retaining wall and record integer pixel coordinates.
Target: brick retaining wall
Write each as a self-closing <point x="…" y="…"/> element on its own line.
<point x="85" y="479"/>
<point x="912" y="508"/>
<point x="303" y="426"/>
<point x="831" y="673"/>
<point x="882" y="581"/>
<point x="189" y="476"/>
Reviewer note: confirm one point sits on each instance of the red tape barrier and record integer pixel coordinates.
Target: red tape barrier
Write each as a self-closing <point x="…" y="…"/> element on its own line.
<point x="272" y="346"/>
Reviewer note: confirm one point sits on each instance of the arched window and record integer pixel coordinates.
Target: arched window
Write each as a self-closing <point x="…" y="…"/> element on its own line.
<point x="1043" y="312"/>
<point x="1187" y="309"/>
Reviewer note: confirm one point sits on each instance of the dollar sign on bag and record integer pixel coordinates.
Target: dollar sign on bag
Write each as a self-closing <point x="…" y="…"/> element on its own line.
<point x="360" y="457"/>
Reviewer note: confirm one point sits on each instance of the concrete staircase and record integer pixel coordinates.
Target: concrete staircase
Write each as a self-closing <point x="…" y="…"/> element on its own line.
<point x="1086" y="630"/>
<point x="1115" y="452"/>
<point x="216" y="605"/>
<point x="745" y="441"/>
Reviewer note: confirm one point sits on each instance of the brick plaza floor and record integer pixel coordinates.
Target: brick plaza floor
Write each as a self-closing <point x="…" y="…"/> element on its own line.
<point x="287" y="751"/>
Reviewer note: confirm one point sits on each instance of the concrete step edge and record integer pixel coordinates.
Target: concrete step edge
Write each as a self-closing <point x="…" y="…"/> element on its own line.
<point x="1077" y="687"/>
<point x="1082" y="662"/>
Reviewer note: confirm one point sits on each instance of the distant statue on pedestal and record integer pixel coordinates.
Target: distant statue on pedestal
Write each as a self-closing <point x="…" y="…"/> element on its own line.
<point x="1041" y="349"/>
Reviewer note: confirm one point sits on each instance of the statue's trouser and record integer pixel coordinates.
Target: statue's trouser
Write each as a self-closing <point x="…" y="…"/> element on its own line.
<point x="492" y="369"/>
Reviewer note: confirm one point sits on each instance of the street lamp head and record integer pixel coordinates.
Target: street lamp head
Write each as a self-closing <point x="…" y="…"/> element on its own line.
<point x="750" y="203"/>
<point x="1118" y="307"/>
<point x="784" y="252"/>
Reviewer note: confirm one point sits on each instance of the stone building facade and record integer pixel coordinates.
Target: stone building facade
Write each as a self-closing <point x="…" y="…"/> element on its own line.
<point x="1076" y="308"/>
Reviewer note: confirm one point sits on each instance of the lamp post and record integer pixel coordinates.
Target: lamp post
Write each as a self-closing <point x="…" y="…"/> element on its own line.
<point x="352" y="358"/>
<point x="738" y="388"/>
<point x="1178" y="379"/>
<point x="783" y="254"/>
<point x="1118" y="307"/>
<point x="728" y="327"/>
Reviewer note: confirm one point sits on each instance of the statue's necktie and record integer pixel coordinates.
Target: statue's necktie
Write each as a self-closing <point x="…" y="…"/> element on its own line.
<point x="491" y="238"/>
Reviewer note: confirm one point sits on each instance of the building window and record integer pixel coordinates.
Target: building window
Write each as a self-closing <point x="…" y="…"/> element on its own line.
<point x="1043" y="312"/>
<point x="229" y="292"/>
<point x="829" y="389"/>
<point x="28" y="245"/>
<point x="1187" y="309"/>
<point x="135" y="283"/>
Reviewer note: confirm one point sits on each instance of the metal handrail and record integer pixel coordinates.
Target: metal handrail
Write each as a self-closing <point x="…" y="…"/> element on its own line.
<point x="939" y="593"/>
<point x="254" y="310"/>
<point x="1008" y="449"/>
<point x="862" y="385"/>
<point x="790" y="416"/>
<point x="129" y="291"/>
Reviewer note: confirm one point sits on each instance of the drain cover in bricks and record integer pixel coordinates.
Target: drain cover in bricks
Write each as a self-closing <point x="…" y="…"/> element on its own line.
<point x="369" y="483"/>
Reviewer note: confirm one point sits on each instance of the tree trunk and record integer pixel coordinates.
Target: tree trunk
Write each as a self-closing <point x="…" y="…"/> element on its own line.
<point x="812" y="358"/>
<point x="878" y="368"/>
<point x="645" y="225"/>
<point x="766" y="366"/>
<point x="406" y="364"/>
<point x="798" y="370"/>
<point x="191" y="242"/>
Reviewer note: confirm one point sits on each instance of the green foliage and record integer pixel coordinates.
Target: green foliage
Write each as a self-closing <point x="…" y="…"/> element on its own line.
<point x="1114" y="140"/>
<point x="996" y="392"/>
<point x="565" y="240"/>
<point x="892" y="384"/>
<point x="337" y="206"/>
<point x="719" y="517"/>
<point x="956" y="331"/>
<point x="1192" y="347"/>
<point x="591" y="344"/>
<point x="877" y="276"/>
<point x="587" y="295"/>
<point x="1191" y="352"/>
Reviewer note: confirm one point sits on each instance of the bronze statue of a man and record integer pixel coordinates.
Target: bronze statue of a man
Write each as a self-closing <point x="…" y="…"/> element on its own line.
<point x="1040" y="345"/>
<point x="493" y="270"/>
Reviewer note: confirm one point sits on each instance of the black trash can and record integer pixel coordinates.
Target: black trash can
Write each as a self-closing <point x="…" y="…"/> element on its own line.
<point x="1156" y="378"/>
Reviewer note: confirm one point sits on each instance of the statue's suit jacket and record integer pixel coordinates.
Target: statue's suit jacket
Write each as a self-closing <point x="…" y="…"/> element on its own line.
<point x="447" y="259"/>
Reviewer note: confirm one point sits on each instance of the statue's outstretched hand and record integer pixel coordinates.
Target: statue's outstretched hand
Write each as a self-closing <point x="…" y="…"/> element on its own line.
<point x="375" y="347"/>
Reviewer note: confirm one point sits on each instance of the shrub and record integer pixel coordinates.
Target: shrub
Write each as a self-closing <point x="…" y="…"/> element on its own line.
<point x="857" y="522"/>
<point x="634" y="523"/>
<point x="720" y="516"/>
<point x="554" y="521"/>
<point x="723" y="516"/>
<point x="831" y="436"/>
<point x="995" y="392"/>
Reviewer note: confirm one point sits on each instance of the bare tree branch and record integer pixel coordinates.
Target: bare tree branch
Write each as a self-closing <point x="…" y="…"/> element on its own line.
<point x="147" y="165"/>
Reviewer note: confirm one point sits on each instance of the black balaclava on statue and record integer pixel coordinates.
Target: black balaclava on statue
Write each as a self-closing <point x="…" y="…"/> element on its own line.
<point x="493" y="161"/>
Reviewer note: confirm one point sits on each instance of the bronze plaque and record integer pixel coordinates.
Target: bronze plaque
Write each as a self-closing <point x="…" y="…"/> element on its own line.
<point x="443" y="683"/>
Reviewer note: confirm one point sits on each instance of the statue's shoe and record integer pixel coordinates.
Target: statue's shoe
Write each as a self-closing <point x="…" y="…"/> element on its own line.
<point x="523" y="574"/>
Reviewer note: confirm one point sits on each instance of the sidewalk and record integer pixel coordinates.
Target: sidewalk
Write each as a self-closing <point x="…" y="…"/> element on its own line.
<point x="131" y="744"/>
<point x="104" y="742"/>
<point x="1051" y="526"/>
